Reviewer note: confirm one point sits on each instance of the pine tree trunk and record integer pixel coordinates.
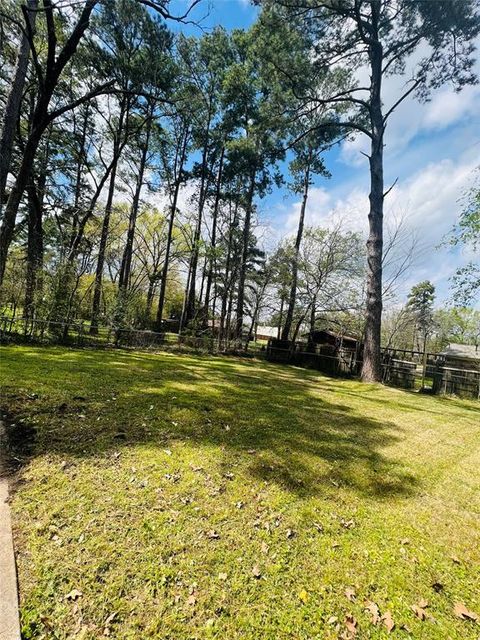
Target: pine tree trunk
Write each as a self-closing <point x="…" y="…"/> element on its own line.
<point x="40" y="122"/>
<point x="372" y="364"/>
<point x="191" y="296"/>
<point x="126" y="265"/>
<point x="14" y="100"/>
<point x="211" y="266"/>
<point x="10" y="213"/>
<point x="280" y="319"/>
<point x="97" y="291"/>
<point x="148" y="308"/>
<point x="34" y="250"/>
<point x="166" y="264"/>
<point x="298" y="241"/>
<point x="81" y="156"/>
<point x="244" y="260"/>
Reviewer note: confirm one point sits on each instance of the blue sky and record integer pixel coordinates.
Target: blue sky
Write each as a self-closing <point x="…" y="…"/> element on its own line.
<point x="431" y="151"/>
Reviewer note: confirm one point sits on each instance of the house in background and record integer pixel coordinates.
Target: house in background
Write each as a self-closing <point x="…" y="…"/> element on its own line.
<point x="458" y="371"/>
<point x="461" y="356"/>
<point x="265" y="332"/>
<point x="333" y="338"/>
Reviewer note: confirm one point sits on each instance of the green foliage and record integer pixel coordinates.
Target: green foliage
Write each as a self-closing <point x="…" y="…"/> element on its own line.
<point x="420" y="304"/>
<point x="466" y="233"/>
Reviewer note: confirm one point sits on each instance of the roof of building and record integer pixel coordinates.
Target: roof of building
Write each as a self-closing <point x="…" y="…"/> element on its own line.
<point x="335" y="334"/>
<point x="272" y="332"/>
<point x="462" y="351"/>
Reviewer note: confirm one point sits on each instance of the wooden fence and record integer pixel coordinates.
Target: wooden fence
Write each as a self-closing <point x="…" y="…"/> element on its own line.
<point x="403" y="373"/>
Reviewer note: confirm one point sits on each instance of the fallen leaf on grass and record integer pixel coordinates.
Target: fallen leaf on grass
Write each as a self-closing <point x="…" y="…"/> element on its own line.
<point x="222" y="576"/>
<point x="73" y="594"/>
<point x="303" y="595"/>
<point x="351" y="624"/>
<point x="388" y="621"/>
<point x="332" y="620"/>
<point x="213" y="535"/>
<point x="108" y="622"/>
<point x="461" y="611"/>
<point x="419" y="612"/>
<point x="350" y="594"/>
<point x="372" y="607"/>
<point x="265" y="547"/>
<point x="256" y="572"/>
<point x="191" y="601"/>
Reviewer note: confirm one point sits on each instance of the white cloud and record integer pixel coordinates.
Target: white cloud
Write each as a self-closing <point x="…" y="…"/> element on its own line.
<point x="448" y="107"/>
<point x="411" y="118"/>
<point x="428" y="200"/>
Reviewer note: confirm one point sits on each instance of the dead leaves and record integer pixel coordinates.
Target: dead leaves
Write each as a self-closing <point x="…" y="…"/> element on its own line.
<point x="372" y="608"/>
<point x="461" y="611"/>
<point x="375" y="618"/>
<point x="388" y="621"/>
<point x="191" y="600"/>
<point x="108" y="623"/>
<point x="212" y="534"/>
<point x="419" y="609"/>
<point x="350" y="594"/>
<point x="351" y="624"/>
<point x="256" y="573"/>
<point x="73" y="595"/>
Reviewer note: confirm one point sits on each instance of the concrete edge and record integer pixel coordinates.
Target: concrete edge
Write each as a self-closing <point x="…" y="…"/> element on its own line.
<point x="9" y="615"/>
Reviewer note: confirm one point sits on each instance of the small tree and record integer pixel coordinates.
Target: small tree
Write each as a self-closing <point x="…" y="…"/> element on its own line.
<point x="466" y="279"/>
<point x="420" y="303"/>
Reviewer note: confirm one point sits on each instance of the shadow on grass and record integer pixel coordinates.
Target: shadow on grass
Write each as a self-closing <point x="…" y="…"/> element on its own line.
<point x="92" y="403"/>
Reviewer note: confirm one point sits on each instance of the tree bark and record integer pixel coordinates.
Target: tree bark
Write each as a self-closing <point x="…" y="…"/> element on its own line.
<point x="191" y="296"/>
<point x="166" y="264"/>
<point x="40" y="121"/>
<point x="126" y="265"/>
<point x="298" y="241"/>
<point x="34" y="249"/>
<point x="211" y="264"/>
<point x="14" y="100"/>
<point x="372" y="364"/>
<point x="227" y="283"/>
<point x="244" y="260"/>
<point x="97" y="292"/>
<point x="10" y="214"/>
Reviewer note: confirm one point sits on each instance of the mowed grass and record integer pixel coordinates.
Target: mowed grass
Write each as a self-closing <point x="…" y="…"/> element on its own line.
<point x="174" y="496"/>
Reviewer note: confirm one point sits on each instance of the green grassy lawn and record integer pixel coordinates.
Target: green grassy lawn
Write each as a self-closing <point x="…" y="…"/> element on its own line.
<point x="179" y="496"/>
